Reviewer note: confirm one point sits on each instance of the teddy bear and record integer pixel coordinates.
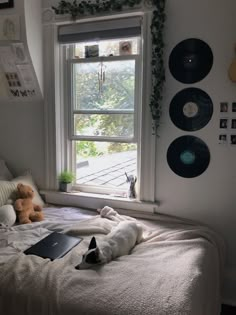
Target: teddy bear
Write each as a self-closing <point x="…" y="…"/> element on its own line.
<point x="26" y="210"/>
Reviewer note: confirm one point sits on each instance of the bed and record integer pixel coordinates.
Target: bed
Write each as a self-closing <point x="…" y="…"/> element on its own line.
<point x="176" y="269"/>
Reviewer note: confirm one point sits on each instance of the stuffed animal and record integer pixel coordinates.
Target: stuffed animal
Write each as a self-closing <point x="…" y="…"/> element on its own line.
<point x="26" y="210"/>
<point x="7" y="216"/>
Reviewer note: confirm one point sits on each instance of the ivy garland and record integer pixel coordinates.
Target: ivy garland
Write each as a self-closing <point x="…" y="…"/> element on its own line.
<point x="78" y="8"/>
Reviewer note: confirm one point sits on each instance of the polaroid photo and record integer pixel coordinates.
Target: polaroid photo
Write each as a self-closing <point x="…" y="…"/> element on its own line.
<point x="223" y="123"/>
<point x="224" y="107"/>
<point x="234" y="107"/>
<point x="233" y="139"/>
<point x="222" y="139"/>
<point x="233" y="123"/>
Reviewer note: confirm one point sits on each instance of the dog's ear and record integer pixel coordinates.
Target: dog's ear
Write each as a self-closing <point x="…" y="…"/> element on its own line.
<point x="93" y="243"/>
<point x="93" y="257"/>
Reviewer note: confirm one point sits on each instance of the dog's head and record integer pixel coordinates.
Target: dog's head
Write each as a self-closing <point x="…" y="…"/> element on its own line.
<point x="91" y="257"/>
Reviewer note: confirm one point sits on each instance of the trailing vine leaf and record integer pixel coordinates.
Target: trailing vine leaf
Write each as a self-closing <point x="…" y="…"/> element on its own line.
<point x="78" y="8"/>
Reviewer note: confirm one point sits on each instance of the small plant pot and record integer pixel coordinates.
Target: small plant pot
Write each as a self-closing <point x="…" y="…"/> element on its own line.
<point x="65" y="187"/>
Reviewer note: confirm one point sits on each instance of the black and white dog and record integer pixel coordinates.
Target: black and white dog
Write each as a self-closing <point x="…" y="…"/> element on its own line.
<point x="118" y="242"/>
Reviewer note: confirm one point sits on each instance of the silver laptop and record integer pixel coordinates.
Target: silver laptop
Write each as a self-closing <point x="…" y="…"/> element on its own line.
<point x="53" y="246"/>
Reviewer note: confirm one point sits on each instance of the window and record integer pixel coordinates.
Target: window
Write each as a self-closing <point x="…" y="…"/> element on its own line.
<point x="65" y="50"/>
<point x="103" y="96"/>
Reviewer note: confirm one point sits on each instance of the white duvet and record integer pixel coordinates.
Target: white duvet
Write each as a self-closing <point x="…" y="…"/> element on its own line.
<point x="175" y="270"/>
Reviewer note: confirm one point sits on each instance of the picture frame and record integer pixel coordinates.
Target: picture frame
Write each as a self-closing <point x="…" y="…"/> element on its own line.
<point x="91" y="51"/>
<point x="125" y="48"/>
<point x="5" y="4"/>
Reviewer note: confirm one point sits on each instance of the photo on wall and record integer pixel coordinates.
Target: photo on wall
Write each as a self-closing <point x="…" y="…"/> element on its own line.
<point x="223" y="123"/>
<point x="233" y="124"/>
<point x="222" y="139"/>
<point x="234" y="107"/>
<point x="233" y="139"/>
<point x="224" y="107"/>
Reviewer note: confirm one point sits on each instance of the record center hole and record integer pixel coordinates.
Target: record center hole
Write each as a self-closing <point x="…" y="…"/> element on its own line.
<point x="190" y="109"/>
<point x="187" y="157"/>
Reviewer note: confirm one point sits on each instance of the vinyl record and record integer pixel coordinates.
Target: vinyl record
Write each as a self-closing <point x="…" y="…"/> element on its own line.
<point x="188" y="156"/>
<point x="191" y="109"/>
<point x="190" y="61"/>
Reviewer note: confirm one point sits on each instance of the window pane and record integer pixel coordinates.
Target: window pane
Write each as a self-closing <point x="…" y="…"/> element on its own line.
<point x="105" y="163"/>
<point x="104" y="85"/>
<point x="107" y="47"/>
<point x="106" y="125"/>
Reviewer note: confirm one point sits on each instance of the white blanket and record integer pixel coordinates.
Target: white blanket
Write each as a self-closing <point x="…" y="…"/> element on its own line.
<point x="176" y="270"/>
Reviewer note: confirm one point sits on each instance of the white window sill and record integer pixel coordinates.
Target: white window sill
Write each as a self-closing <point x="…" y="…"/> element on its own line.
<point x="96" y="201"/>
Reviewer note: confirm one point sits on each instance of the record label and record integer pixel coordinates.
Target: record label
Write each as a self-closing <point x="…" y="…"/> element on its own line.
<point x="190" y="61"/>
<point x="188" y="156"/>
<point x="191" y="109"/>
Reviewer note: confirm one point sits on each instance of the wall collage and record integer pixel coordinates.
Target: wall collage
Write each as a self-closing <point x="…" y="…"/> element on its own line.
<point x="17" y="78"/>
<point x="227" y="123"/>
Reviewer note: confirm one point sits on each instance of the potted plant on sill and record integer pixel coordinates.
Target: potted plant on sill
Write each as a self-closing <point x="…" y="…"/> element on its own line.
<point x="65" y="181"/>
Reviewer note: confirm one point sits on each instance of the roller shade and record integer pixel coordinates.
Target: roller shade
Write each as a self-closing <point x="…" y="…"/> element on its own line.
<point x="99" y="30"/>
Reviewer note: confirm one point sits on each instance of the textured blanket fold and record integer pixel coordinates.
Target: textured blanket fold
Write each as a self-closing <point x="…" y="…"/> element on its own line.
<point x="175" y="270"/>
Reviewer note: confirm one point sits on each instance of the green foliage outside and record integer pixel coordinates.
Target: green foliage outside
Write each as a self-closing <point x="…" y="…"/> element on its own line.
<point x="116" y="93"/>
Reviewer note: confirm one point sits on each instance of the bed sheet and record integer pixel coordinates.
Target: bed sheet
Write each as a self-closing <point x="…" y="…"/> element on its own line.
<point x="176" y="269"/>
<point x="16" y="239"/>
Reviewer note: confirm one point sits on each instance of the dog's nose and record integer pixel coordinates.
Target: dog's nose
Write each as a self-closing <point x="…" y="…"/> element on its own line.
<point x="77" y="267"/>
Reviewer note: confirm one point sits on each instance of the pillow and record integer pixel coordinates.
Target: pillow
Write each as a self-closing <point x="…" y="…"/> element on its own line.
<point x="6" y="191"/>
<point x="5" y="174"/>
<point x="7" y="215"/>
<point x="27" y="179"/>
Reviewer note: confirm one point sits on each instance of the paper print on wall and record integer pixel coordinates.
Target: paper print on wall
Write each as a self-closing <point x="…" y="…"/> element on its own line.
<point x="27" y="75"/>
<point x="22" y="93"/>
<point x="7" y="59"/>
<point x="9" y="27"/>
<point x="19" y="53"/>
<point x="13" y="79"/>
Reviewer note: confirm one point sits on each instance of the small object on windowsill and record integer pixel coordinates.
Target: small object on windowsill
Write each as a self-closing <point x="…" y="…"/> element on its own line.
<point x="91" y="51"/>
<point x="131" y="179"/>
<point x="125" y="48"/>
<point x="65" y="181"/>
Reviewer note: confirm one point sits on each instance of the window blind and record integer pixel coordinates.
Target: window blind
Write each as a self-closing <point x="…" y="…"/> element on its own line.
<point x="99" y="30"/>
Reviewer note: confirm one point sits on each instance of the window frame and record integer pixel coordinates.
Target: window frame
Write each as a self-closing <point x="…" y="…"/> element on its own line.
<point x="67" y="53"/>
<point x="56" y="128"/>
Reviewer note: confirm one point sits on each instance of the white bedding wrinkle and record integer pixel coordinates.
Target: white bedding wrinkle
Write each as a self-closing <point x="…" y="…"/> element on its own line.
<point x="176" y="270"/>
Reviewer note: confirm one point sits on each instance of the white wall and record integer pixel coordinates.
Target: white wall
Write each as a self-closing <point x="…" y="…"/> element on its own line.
<point x="22" y="123"/>
<point x="209" y="198"/>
